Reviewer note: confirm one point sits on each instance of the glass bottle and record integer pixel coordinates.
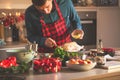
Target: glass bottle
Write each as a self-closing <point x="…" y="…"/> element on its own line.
<point x="100" y="58"/>
<point x="8" y="33"/>
<point x="100" y="46"/>
<point x="15" y="33"/>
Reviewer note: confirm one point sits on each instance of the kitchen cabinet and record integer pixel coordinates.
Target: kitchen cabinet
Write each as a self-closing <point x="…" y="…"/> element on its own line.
<point x="108" y="26"/>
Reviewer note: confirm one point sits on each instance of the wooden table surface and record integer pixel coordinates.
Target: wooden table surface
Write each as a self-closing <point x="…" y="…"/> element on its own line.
<point x="108" y="76"/>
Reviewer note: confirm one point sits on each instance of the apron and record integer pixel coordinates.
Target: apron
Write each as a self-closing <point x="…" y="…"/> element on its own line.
<point x="57" y="31"/>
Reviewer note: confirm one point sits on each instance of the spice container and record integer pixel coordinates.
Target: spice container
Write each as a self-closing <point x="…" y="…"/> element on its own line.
<point x="100" y="59"/>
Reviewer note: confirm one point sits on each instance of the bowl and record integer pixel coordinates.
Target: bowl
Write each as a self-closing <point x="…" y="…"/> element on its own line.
<point x="21" y="55"/>
<point x="80" y="67"/>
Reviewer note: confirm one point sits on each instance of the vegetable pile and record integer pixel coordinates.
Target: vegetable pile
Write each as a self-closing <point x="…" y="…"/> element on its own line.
<point x="109" y="51"/>
<point x="47" y="65"/>
<point x="64" y="55"/>
<point x="10" y="65"/>
<point x="59" y="52"/>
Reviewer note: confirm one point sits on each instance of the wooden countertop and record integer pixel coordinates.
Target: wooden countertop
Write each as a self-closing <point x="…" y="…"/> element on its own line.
<point x="67" y="74"/>
<point x="109" y="76"/>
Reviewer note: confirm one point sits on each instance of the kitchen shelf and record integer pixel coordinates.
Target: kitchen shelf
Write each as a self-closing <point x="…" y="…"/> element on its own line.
<point x="93" y="8"/>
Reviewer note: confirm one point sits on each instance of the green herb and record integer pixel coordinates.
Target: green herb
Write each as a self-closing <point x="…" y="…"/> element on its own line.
<point x="64" y="55"/>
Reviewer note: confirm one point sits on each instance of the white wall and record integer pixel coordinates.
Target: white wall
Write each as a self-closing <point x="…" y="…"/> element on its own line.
<point x="14" y="4"/>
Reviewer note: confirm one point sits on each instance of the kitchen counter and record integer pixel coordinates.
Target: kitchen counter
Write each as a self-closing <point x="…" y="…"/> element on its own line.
<point x="66" y="74"/>
<point x="13" y="45"/>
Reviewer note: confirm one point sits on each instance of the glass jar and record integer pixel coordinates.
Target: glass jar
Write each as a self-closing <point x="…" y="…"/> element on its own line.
<point x="100" y="59"/>
<point x="8" y="34"/>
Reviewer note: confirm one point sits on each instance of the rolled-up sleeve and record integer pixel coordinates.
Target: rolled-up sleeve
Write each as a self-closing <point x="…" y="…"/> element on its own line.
<point x="74" y="18"/>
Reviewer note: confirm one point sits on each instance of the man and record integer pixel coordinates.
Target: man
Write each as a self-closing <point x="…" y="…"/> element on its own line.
<point x="48" y="22"/>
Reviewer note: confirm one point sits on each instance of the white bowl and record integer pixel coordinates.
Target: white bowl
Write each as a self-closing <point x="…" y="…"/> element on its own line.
<point x="21" y="54"/>
<point x="80" y="67"/>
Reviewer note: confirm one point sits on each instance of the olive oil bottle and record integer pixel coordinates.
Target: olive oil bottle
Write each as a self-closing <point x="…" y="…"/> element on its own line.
<point x="100" y="46"/>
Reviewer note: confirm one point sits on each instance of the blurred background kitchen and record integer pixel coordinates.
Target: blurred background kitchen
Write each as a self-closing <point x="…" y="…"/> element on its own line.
<point x="100" y="20"/>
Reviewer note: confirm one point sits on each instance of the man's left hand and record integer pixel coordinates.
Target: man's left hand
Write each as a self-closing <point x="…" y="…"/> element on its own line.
<point x="77" y="34"/>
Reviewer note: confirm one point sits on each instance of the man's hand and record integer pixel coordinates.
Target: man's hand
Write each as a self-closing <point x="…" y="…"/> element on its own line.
<point x="77" y="34"/>
<point x="50" y="42"/>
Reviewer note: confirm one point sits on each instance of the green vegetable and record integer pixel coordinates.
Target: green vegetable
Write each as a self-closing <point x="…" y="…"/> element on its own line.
<point x="64" y="55"/>
<point x="59" y="52"/>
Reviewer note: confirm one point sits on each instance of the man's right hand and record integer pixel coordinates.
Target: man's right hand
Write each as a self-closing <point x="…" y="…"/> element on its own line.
<point x="50" y="42"/>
